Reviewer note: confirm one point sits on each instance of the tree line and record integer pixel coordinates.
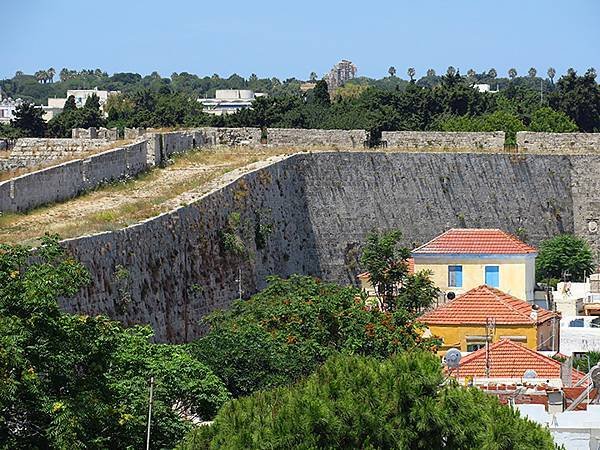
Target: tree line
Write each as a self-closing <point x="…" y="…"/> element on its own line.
<point x="446" y="103"/>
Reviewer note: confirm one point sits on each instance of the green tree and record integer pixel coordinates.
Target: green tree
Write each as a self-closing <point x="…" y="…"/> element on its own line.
<point x="285" y="331"/>
<point x="392" y="71"/>
<point x="71" y="381"/>
<point x="551" y="74"/>
<point x="70" y="104"/>
<point x="563" y="254"/>
<point x="550" y="121"/>
<point x="579" y="98"/>
<point x="411" y="73"/>
<point x="512" y="73"/>
<point x="28" y="119"/>
<point x="92" y="102"/>
<point x="357" y="402"/>
<point x="321" y="93"/>
<point x="532" y="72"/>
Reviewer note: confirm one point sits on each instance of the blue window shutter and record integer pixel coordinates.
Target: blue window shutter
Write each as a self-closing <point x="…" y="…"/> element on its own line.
<point x="455" y="276"/>
<point x="492" y="276"/>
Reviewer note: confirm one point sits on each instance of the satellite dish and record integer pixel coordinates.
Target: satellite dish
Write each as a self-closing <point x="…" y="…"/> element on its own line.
<point x="452" y="358"/>
<point x="450" y="295"/>
<point x="595" y="375"/>
<point x="530" y="374"/>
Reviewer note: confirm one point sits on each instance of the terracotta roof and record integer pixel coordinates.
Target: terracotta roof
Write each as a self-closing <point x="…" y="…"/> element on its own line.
<point x="510" y="359"/>
<point x="475" y="241"/>
<point x="411" y="270"/>
<point x="476" y="305"/>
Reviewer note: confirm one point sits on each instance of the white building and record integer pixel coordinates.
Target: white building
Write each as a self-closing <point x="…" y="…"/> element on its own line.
<point x="8" y="106"/>
<point x="572" y="299"/>
<point x="579" y="334"/>
<point x="484" y="87"/>
<point x="56" y="105"/>
<point x="229" y="101"/>
<point x="576" y="430"/>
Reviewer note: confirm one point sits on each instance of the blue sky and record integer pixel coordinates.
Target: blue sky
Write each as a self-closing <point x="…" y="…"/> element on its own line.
<point x="285" y="39"/>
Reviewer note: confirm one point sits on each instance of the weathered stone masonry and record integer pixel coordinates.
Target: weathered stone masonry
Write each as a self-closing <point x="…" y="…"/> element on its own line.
<point x="321" y="206"/>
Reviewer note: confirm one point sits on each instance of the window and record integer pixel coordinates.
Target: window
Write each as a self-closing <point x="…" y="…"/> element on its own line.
<point x="577" y="323"/>
<point x="492" y="276"/>
<point x="475" y="346"/>
<point x="455" y="276"/>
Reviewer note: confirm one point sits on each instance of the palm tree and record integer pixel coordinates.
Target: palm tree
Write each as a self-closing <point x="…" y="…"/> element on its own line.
<point x="551" y="74"/>
<point x="532" y="72"/>
<point x="591" y="72"/>
<point x="492" y="73"/>
<point x="512" y="73"/>
<point x="411" y="73"/>
<point x="430" y="73"/>
<point x="451" y="71"/>
<point x="64" y="74"/>
<point x="40" y="76"/>
<point x="51" y="72"/>
<point x="392" y="71"/>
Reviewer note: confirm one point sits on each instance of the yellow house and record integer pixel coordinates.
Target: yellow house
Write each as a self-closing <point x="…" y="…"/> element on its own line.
<point x="463" y="258"/>
<point x="485" y="313"/>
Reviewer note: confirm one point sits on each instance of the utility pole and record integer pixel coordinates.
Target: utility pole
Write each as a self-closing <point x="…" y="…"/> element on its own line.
<point x="490" y="327"/>
<point x="149" y="413"/>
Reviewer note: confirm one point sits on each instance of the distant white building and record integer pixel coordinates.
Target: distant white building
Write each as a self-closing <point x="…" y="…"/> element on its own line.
<point x="484" y="87"/>
<point x="56" y="105"/>
<point x="8" y="106"/>
<point x="229" y="101"/>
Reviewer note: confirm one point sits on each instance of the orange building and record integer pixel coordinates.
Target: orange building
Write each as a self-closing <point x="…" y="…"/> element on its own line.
<point x="483" y="313"/>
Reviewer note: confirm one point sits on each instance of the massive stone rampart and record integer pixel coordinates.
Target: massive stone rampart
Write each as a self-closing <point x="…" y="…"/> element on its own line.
<point x="29" y="152"/>
<point x="172" y="270"/>
<point x="320" y="207"/>
<point x="64" y="181"/>
<point x="558" y="143"/>
<point x="444" y="140"/>
<point x="345" y="139"/>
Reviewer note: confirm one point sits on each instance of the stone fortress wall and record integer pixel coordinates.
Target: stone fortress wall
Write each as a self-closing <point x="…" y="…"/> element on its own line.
<point x="552" y="143"/>
<point x="28" y="152"/>
<point x="320" y="207"/>
<point x="436" y="140"/>
<point x="69" y="179"/>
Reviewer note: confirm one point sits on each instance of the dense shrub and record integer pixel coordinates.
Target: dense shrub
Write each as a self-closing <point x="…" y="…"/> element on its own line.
<point x="288" y="329"/>
<point x="363" y="402"/>
<point x="71" y="381"/>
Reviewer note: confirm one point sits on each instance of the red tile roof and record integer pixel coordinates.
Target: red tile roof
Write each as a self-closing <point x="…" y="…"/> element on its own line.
<point x="510" y="359"/>
<point x="476" y="305"/>
<point x="475" y="241"/>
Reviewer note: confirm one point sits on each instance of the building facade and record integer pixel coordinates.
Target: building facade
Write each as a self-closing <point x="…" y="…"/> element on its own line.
<point x="462" y="259"/>
<point x="485" y="314"/>
<point x="341" y="73"/>
<point x="229" y="101"/>
<point x="8" y="106"/>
